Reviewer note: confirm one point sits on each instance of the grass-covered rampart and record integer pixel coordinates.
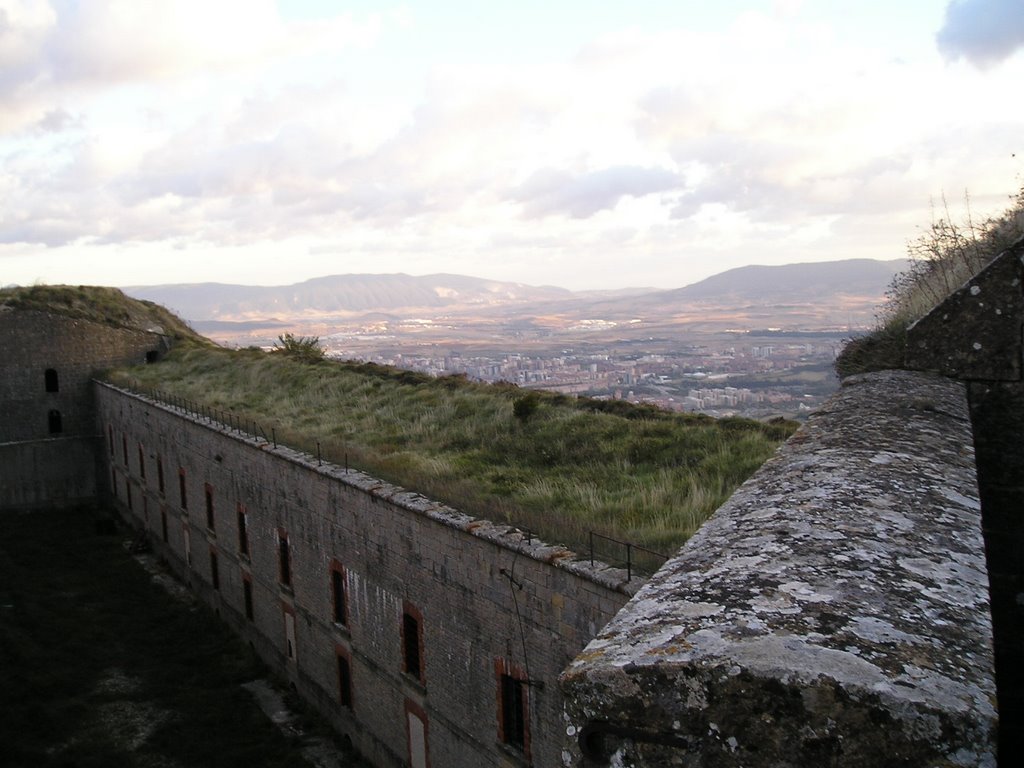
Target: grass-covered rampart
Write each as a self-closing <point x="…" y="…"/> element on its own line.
<point x="557" y="465"/>
<point x="98" y="304"/>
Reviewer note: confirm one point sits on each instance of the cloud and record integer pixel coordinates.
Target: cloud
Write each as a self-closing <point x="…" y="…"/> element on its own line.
<point x="985" y="32"/>
<point x="63" y="50"/>
<point x="56" y="121"/>
<point x="549" y="192"/>
<point x="126" y="41"/>
<point x="632" y="148"/>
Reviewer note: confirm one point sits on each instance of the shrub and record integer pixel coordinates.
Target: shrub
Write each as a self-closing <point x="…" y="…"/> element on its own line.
<point x="524" y="407"/>
<point x="947" y="255"/>
<point x="304" y="348"/>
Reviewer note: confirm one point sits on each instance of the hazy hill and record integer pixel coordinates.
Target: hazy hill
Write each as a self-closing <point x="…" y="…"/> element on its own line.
<point x="850" y="289"/>
<point x="795" y="282"/>
<point x="339" y="295"/>
<point x="819" y="284"/>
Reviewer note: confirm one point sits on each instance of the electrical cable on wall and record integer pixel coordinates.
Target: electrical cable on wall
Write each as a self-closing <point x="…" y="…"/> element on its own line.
<point x="514" y="584"/>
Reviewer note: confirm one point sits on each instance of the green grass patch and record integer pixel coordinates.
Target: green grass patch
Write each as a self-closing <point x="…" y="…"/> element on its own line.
<point x="100" y="667"/>
<point x="558" y="465"/>
<point x="108" y="306"/>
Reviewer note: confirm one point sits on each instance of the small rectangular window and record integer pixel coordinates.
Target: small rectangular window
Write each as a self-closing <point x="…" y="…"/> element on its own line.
<point x="412" y="642"/>
<point x="124" y="448"/>
<point x="54" y="422"/>
<point x="284" y="559"/>
<point x="181" y="488"/>
<point x="110" y="438"/>
<point x="243" y="530"/>
<point x="289" y="634"/>
<point x="513" y="712"/>
<point x="163" y="524"/>
<point x="344" y="679"/>
<point x="142" y="462"/>
<point x="214" y="571"/>
<point x="208" y="494"/>
<point x="187" y="539"/>
<point x="339" y="597"/>
<point x="160" y="473"/>
<point x="113" y="481"/>
<point x="247" y="597"/>
<point x="128" y="492"/>
<point x="52" y="383"/>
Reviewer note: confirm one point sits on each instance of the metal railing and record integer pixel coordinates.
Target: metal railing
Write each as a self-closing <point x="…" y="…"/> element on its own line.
<point x="637" y="556"/>
<point x="633" y="557"/>
<point x="211" y="415"/>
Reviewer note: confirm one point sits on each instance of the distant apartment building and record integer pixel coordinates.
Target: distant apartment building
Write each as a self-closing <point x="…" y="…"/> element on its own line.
<point x="719" y="397"/>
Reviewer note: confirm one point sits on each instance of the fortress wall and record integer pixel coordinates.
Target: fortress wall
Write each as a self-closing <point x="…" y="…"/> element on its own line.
<point x="835" y="611"/>
<point x="977" y="336"/>
<point x="56" y="472"/>
<point x="40" y="466"/>
<point x="485" y="601"/>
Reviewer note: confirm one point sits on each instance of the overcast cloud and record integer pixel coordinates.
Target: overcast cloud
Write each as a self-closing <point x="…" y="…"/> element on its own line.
<point x="580" y="195"/>
<point x="554" y="143"/>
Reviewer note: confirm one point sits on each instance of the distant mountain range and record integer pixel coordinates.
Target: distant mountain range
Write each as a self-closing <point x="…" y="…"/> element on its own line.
<point x="340" y="295"/>
<point x="793" y="282"/>
<point x="821" y="284"/>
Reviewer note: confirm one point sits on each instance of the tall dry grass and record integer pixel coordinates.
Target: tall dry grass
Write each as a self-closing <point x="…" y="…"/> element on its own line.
<point x="942" y="258"/>
<point x="562" y="467"/>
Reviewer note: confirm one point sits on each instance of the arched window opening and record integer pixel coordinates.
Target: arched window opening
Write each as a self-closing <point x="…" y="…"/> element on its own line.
<point x="52" y="382"/>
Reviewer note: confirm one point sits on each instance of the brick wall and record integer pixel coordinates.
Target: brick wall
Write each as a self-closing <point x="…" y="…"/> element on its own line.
<point x="48" y="424"/>
<point x="480" y="597"/>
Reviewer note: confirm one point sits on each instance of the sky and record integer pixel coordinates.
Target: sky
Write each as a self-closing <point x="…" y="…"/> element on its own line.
<point x="589" y="145"/>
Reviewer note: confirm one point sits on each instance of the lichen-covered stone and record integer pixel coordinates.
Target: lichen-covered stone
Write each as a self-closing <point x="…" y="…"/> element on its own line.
<point x="833" y="612"/>
<point x="977" y="335"/>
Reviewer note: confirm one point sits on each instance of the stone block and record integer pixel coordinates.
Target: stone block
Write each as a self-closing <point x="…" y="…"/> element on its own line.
<point x="833" y="612"/>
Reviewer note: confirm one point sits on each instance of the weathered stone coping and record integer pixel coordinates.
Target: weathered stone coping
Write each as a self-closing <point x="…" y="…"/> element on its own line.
<point x="833" y="612"/>
<point x="504" y="535"/>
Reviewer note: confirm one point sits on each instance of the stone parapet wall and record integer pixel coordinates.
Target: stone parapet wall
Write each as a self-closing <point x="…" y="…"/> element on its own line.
<point x="977" y="336"/>
<point x="834" y="611"/>
<point x="487" y="600"/>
